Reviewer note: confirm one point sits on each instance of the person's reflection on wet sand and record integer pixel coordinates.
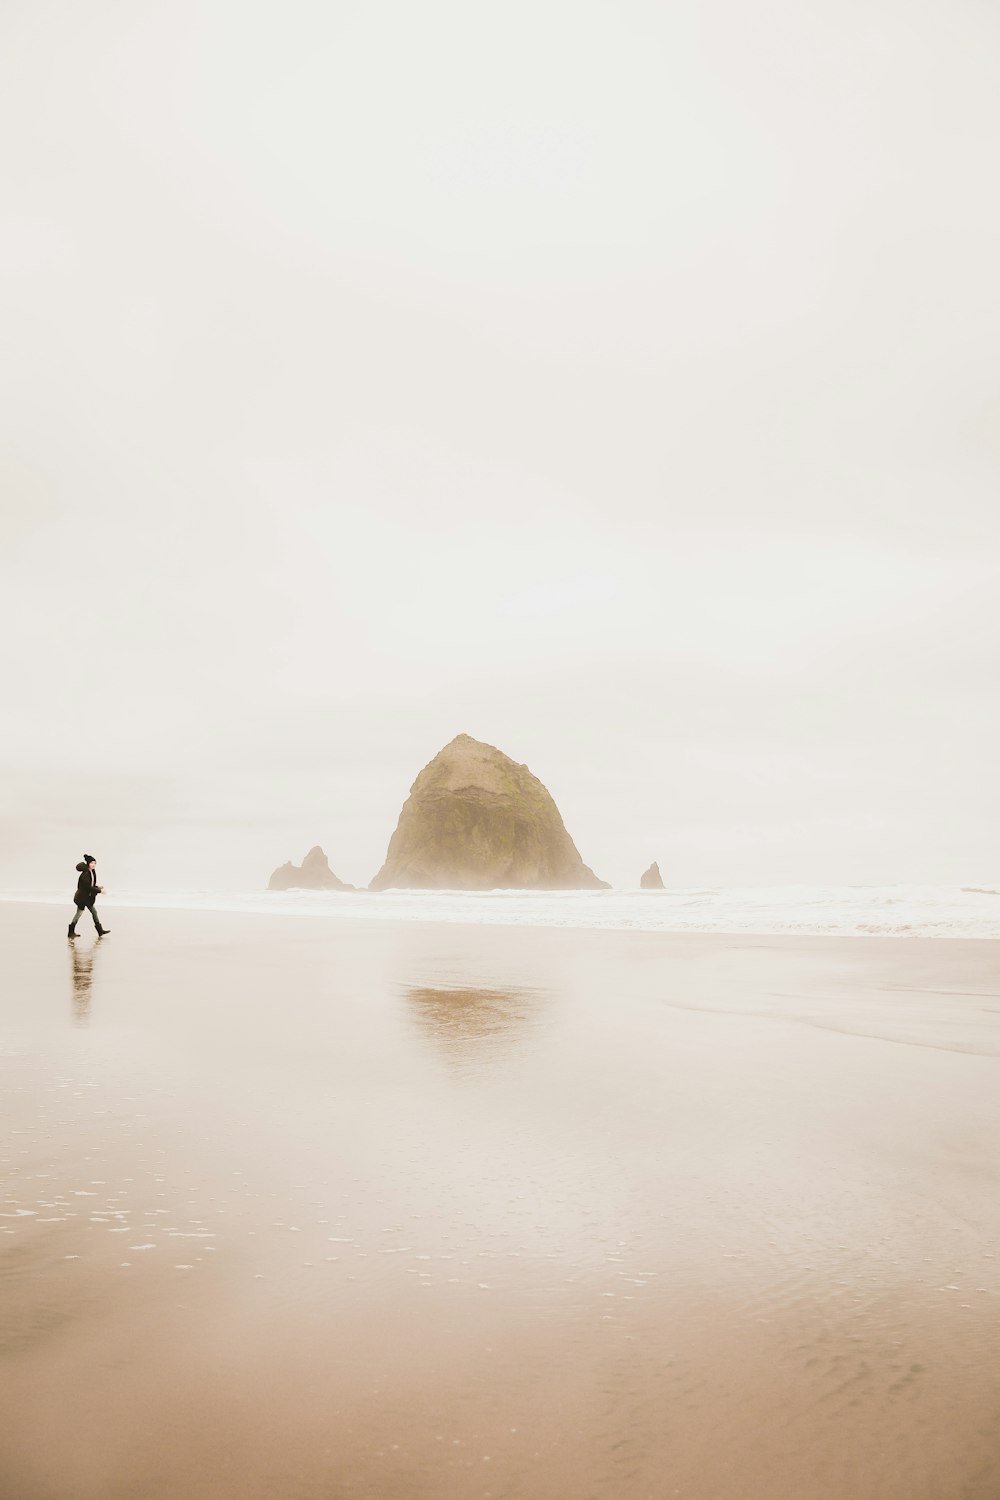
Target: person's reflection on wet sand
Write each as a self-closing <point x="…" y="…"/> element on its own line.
<point x="472" y="1026"/>
<point x="82" y="978"/>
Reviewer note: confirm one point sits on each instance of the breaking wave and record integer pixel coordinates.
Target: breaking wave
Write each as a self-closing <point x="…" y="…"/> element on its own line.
<point x="841" y="911"/>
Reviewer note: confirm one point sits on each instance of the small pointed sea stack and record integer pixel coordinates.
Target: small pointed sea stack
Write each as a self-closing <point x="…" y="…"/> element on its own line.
<point x="477" y="821"/>
<point x="652" y="880"/>
<point x="314" y="874"/>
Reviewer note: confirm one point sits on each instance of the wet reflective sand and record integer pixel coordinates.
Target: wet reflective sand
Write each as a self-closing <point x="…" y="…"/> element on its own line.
<point x="301" y="1211"/>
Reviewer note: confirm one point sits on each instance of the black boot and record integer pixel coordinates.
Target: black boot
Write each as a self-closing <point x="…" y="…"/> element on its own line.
<point x="71" y="931"/>
<point x="103" y="931"/>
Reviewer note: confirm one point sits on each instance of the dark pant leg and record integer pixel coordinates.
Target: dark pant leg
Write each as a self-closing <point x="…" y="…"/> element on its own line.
<point x="93" y="912"/>
<point x="77" y="913"/>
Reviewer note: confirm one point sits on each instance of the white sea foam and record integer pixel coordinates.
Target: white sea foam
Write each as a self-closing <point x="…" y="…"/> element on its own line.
<point x="847" y="911"/>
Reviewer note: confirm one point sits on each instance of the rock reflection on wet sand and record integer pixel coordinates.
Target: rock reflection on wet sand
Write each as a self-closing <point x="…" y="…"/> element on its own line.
<point x="468" y="1025"/>
<point x="698" y="1217"/>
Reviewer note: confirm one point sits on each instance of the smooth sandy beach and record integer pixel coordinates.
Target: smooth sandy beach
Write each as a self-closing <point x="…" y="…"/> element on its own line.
<point x="438" y="1213"/>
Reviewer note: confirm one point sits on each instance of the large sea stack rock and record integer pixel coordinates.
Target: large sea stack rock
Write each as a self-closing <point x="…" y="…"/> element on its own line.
<point x="652" y="880"/>
<point x="314" y="874"/>
<point x="477" y="821"/>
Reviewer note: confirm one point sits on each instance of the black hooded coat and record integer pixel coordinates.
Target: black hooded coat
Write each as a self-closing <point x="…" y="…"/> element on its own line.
<point x="86" y="886"/>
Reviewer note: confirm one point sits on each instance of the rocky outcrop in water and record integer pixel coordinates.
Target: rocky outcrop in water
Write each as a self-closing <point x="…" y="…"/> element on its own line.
<point x="475" y="820"/>
<point x="314" y="874"/>
<point x="652" y="880"/>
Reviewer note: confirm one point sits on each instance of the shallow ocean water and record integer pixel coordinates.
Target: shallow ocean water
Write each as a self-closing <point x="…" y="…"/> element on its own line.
<point x="970" y="911"/>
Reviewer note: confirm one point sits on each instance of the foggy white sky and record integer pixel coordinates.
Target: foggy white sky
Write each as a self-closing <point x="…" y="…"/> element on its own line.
<point x="617" y="383"/>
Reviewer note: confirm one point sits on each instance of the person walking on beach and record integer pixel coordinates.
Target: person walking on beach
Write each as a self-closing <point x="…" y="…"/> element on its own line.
<point x="87" y="891"/>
